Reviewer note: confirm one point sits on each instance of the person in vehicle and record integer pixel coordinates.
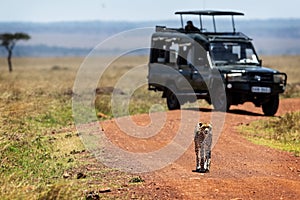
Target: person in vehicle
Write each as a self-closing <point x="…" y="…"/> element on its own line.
<point x="190" y="27"/>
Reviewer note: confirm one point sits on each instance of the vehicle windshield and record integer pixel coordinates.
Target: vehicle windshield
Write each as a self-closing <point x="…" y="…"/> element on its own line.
<point x="239" y="53"/>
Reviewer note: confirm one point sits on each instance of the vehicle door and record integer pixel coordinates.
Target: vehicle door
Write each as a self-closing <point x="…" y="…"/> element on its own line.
<point x="184" y="66"/>
<point x="201" y="68"/>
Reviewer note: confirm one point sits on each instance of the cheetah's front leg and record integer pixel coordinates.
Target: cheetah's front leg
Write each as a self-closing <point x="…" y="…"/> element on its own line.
<point x="208" y="152"/>
<point x="202" y="158"/>
<point x="197" y="151"/>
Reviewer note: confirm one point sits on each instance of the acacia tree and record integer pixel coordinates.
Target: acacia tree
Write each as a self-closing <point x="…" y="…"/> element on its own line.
<point x="9" y="41"/>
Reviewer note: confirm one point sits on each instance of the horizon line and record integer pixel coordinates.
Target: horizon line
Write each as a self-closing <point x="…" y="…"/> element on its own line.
<point x="134" y="21"/>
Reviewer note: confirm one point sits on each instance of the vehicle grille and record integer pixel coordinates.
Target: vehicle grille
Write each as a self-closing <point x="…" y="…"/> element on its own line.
<point x="261" y="77"/>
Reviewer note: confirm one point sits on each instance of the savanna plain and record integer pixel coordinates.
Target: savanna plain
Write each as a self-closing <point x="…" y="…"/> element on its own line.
<point x="42" y="155"/>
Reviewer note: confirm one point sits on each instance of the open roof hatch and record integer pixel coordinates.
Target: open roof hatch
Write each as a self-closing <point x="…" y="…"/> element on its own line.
<point x="212" y="13"/>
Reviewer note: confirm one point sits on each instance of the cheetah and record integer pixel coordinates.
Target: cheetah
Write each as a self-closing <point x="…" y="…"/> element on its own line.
<point x="203" y="141"/>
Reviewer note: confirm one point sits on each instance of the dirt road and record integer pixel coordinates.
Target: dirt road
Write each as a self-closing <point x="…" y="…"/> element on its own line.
<point x="239" y="169"/>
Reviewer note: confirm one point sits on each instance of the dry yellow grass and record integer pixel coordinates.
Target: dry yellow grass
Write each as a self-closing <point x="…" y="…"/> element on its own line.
<point x="35" y="78"/>
<point x="38" y="70"/>
<point x="288" y="64"/>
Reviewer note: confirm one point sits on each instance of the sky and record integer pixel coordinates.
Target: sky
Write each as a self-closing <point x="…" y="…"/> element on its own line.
<point x="137" y="10"/>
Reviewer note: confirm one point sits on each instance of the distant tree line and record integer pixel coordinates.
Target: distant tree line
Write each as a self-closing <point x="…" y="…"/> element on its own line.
<point x="8" y="41"/>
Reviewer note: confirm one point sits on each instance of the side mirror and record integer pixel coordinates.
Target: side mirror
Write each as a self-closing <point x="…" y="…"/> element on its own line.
<point x="260" y="62"/>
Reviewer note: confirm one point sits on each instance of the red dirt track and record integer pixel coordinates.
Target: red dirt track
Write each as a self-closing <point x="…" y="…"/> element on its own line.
<point x="239" y="168"/>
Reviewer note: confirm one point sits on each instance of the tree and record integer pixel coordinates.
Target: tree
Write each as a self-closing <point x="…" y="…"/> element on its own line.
<point x="9" y="41"/>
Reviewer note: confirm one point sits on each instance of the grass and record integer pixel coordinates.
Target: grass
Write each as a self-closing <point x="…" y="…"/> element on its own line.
<point x="279" y="133"/>
<point x="38" y="140"/>
<point x="140" y="101"/>
<point x="287" y="64"/>
<point x="41" y="151"/>
<point x="35" y="117"/>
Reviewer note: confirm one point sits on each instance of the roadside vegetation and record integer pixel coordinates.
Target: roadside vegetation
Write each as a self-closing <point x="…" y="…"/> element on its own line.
<point x="289" y="65"/>
<point x="36" y="132"/>
<point x="283" y="132"/>
<point x="42" y="156"/>
<point x="278" y="132"/>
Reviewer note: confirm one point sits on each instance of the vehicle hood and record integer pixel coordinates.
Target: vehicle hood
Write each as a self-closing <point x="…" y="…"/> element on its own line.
<point x="245" y="68"/>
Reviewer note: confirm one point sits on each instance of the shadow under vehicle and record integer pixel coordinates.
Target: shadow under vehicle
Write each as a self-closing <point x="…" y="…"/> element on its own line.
<point x="221" y="67"/>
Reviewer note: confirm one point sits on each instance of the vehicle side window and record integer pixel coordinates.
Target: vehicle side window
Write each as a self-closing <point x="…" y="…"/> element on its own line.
<point x="200" y="55"/>
<point x="182" y="57"/>
<point x="158" y="52"/>
<point x="173" y="53"/>
<point x="176" y="52"/>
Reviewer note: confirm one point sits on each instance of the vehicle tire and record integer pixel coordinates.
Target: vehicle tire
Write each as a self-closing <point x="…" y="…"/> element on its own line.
<point x="270" y="107"/>
<point x="172" y="101"/>
<point x="220" y="99"/>
<point x="221" y="104"/>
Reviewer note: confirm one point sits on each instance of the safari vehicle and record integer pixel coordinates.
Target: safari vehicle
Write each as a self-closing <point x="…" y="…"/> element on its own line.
<point x="221" y="67"/>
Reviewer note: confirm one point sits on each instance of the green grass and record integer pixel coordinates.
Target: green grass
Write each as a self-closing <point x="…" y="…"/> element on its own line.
<point x="280" y="133"/>
<point x="38" y="139"/>
<point x="33" y="153"/>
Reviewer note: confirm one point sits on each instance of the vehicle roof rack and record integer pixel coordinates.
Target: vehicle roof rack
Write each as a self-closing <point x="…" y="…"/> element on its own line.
<point x="225" y="36"/>
<point x="208" y="12"/>
<point x="212" y="13"/>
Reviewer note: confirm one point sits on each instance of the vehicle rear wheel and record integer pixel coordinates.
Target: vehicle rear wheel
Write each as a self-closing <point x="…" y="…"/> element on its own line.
<point x="270" y="107"/>
<point x="222" y="104"/>
<point x="172" y="101"/>
<point x="220" y="99"/>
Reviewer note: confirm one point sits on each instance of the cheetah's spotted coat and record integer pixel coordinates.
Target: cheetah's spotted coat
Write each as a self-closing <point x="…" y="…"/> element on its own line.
<point x="203" y="141"/>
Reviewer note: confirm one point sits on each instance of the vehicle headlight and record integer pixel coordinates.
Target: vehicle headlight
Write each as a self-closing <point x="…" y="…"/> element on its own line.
<point x="238" y="77"/>
<point x="279" y="78"/>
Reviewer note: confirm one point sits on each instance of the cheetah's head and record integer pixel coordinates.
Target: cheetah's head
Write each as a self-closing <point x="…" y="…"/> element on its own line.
<point x="205" y="128"/>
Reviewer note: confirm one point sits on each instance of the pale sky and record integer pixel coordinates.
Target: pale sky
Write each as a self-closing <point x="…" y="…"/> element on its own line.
<point x="138" y="10"/>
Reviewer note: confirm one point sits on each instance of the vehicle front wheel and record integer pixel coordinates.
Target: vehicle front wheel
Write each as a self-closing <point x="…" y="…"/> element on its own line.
<point x="270" y="107"/>
<point x="172" y="101"/>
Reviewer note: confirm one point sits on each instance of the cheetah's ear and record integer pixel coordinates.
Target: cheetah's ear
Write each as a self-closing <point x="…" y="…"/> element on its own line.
<point x="200" y="124"/>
